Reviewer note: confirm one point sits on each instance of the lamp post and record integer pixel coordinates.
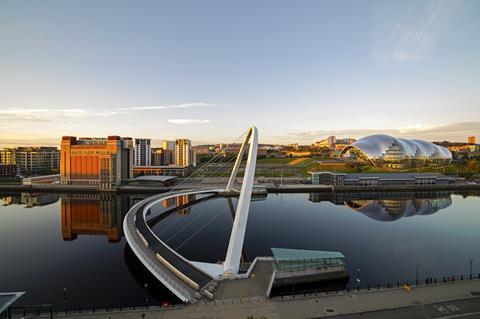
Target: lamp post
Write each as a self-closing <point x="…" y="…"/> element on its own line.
<point x="358" y="279"/>
<point x="146" y="294"/>
<point x="65" y="298"/>
<point x="471" y="263"/>
<point x="416" y="277"/>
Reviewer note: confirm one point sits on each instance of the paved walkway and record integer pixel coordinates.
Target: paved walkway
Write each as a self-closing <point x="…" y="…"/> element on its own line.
<point x="376" y="300"/>
<point x="255" y="285"/>
<point x="433" y="301"/>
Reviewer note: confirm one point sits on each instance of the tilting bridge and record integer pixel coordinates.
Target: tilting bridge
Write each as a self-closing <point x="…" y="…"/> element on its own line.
<point x="190" y="280"/>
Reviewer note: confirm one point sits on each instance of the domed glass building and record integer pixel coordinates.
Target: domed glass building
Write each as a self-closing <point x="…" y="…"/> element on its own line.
<point x="387" y="151"/>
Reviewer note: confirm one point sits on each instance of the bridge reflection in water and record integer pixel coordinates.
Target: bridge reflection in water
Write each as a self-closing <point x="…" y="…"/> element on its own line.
<point x="102" y="214"/>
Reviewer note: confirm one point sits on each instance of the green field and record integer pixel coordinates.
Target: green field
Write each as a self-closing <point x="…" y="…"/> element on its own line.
<point x="274" y="160"/>
<point x="282" y="167"/>
<point x="466" y="170"/>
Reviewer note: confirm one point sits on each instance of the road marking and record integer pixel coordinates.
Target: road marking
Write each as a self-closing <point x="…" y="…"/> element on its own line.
<point x="447" y="308"/>
<point x="460" y="315"/>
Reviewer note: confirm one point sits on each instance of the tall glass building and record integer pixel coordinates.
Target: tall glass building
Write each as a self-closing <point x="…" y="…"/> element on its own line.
<point x="387" y="151"/>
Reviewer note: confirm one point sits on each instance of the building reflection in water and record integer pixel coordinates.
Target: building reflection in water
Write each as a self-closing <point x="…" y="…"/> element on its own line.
<point x="30" y="199"/>
<point x="180" y="201"/>
<point x="389" y="206"/>
<point x="102" y="214"/>
<point x="93" y="214"/>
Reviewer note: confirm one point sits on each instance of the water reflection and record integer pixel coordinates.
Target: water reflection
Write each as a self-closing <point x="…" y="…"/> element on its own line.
<point x="93" y="214"/>
<point x="393" y="209"/>
<point x="30" y="199"/>
<point x="77" y="237"/>
<point x="389" y="206"/>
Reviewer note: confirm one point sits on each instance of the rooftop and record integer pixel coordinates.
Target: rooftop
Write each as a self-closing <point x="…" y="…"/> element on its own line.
<point x="302" y="254"/>
<point x="385" y="175"/>
<point x="8" y="298"/>
<point x="154" y="178"/>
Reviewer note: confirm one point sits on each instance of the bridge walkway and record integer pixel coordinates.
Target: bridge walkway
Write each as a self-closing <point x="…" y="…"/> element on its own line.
<point x="183" y="278"/>
<point x="165" y="252"/>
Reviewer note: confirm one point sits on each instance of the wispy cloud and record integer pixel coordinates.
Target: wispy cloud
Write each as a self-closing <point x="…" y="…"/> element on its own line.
<point x="44" y="114"/>
<point x="407" y="32"/>
<point x="172" y="106"/>
<point x="50" y="114"/>
<point x="188" y="121"/>
<point x="453" y="132"/>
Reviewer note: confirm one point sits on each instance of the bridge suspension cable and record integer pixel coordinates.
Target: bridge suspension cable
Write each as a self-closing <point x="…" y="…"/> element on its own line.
<point x="225" y="170"/>
<point x="215" y="159"/>
<point x="183" y="277"/>
<point x="201" y="228"/>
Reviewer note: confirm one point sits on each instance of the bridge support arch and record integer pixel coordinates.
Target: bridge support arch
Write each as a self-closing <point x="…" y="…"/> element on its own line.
<point x="235" y="245"/>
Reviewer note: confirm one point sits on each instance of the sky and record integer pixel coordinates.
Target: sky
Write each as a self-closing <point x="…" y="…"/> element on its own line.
<point x="207" y="70"/>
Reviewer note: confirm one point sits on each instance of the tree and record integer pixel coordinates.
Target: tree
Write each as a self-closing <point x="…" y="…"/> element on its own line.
<point x="472" y="166"/>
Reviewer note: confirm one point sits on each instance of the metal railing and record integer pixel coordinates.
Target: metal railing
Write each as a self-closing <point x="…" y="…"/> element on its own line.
<point x="429" y="281"/>
<point x="26" y="312"/>
<point x="32" y="312"/>
<point x="148" y="258"/>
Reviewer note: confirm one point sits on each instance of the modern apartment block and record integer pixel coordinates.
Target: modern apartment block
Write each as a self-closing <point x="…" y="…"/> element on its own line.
<point x="96" y="161"/>
<point x="162" y="157"/>
<point x="143" y="152"/>
<point x="169" y="147"/>
<point x="32" y="160"/>
<point x="8" y="170"/>
<point x="183" y="152"/>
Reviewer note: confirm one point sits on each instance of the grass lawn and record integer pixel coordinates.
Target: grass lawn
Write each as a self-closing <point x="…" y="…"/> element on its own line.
<point x="274" y="160"/>
<point x="452" y="169"/>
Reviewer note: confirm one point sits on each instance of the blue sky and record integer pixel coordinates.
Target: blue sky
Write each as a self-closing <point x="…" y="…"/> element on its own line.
<point x="206" y="70"/>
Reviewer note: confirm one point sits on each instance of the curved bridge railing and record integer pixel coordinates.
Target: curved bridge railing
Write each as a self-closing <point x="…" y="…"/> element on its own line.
<point x="178" y="274"/>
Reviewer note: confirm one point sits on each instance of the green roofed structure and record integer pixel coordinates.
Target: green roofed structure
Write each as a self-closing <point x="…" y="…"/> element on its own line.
<point x="8" y="298"/>
<point x="300" y="259"/>
<point x="298" y="266"/>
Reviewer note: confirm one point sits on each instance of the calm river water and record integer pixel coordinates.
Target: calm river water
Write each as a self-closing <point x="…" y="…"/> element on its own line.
<point x="69" y="249"/>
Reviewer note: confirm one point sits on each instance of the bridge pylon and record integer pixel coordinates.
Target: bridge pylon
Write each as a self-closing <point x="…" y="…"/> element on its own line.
<point x="235" y="245"/>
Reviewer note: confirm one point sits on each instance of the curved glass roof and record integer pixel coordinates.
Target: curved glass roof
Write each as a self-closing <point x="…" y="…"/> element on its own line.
<point x="378" y="145"/>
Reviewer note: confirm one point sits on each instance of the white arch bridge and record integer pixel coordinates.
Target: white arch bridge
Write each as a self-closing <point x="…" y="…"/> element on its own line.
<point x="189" y="280"/>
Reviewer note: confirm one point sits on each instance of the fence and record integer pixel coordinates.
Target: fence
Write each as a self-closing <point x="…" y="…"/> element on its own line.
<point x="48" y="311"/>
<point x="386" y="285"/>
<point x="31" y="312"/>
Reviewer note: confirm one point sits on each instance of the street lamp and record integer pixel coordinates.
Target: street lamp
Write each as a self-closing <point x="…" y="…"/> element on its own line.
<point x="358" y="279"/>
<point x="416" y="277"/>
<point x="146" y="295"/>
<point x="471" y="262"/>
<point x="65" y="297"/>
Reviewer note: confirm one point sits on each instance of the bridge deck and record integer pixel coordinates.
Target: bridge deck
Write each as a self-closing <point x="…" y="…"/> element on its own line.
<point x="163" y="250"/>
<point x="175" y="272"/>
